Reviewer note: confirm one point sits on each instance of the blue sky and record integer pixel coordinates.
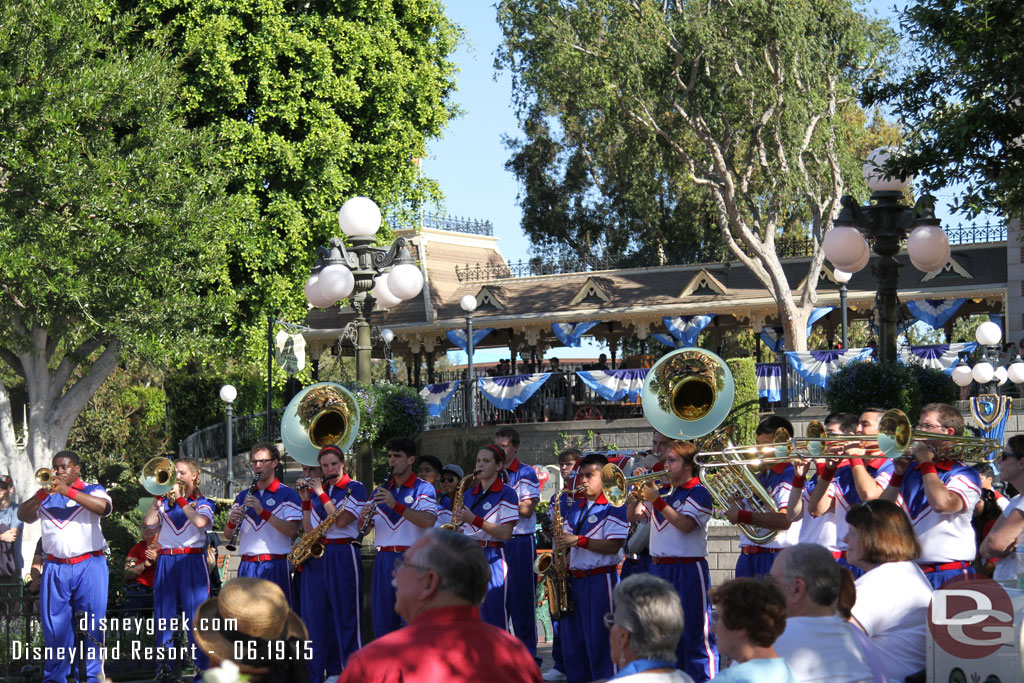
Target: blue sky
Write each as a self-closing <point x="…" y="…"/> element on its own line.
<point x="469" y="160"/>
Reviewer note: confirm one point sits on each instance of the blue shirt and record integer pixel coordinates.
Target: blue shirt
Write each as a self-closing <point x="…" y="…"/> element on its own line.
<point x="10" y="553"/>
<point x="758" y="671"/>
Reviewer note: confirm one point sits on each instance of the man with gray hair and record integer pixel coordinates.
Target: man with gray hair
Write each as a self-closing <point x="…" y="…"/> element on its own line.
<point x="440" y="583"/>
<point x="644" y="630"/>
<point x="817" y="644"/>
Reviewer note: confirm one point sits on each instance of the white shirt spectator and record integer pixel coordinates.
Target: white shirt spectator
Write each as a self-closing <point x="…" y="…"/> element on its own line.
<point x="892" y="607"/>
<point x="823" y="649"/>
<point x="1006" y="567"/>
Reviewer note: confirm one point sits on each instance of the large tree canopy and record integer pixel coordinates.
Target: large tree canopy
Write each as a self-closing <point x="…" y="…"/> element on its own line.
<point x="113" y="220"/>
<point x="319" y="101"/>
<point x="961" y="98"/>
<point x="744" y="106"/>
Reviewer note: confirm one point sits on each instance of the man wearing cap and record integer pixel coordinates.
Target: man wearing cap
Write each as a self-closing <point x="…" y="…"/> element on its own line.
<point x="10" y="540"/>
<point x="451" y="475"/>
<point x="75" y="575"/>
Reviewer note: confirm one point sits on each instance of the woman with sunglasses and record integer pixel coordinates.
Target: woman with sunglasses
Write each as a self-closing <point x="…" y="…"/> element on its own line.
<point x="1001" y="541"/>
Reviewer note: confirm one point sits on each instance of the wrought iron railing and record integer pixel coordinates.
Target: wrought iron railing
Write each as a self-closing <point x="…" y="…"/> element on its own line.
<point x="976" y="234"/>
<point x="471" y="226"/>
<point x="210" y="443"/>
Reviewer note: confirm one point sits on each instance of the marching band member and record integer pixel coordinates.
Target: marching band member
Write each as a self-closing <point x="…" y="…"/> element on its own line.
<point x="679" y="554"/>
<point x="182" y="579"/>
<point x="638" y="553"/>
<point x="939" y="497"/>
<point x="75" y="577"/>
<point x="338" y="573"/>
<point x="406" y="508"/>
<point x="269" y="514"/>
<point x="489" y="513"/>
<point x="429" y="469"/>
<point x="595" y="531"/>
<point x="521" y="550"/>
<point x="756" y="560"/>
<point x="566" y="461"/>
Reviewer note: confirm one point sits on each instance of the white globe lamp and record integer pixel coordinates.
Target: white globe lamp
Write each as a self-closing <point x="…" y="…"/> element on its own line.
<point x="988" y="333"/>
<point x="962" y="375"/>
<point x="314" y="296"/>
<point x="405" y="281"/>
<point x="846" y="248"/>
<point x="1001" y="375"/>
<point x="381" y="292"/>
<point x="983" y="372"/>
<point x="387" y="335"/>
<point x="875" y="175"/>
<point x="359" y="217"/>
<point x="928" y="248"/>
<point x="1016" y="372"/>
<point x="336" y="282"/>
<point x="228" y="393"/>
<point x="468" y="303"/>
<point x="841" y="276"/>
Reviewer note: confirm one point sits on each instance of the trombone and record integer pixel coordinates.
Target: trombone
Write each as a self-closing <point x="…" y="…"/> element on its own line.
<point x="616" y="486"/>
<point x="896" y="436"/>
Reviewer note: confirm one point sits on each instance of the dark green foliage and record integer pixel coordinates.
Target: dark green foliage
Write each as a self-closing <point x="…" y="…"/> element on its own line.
<point x="193" y="399"/>
<point x="935" y="385"/>
<point x="856" y="386"/>
<point x="746" y="406"/>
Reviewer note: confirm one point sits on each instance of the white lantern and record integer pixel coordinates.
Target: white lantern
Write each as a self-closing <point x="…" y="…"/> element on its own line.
<point x="876" y="177"/>
<point x="336" y="282"/>
<point x="468" y="303"/>
<point x="962" y="375"/>
<point x="383" y="295"/>
<point x="405" y="281"/>
<point x="1001" y="375"/>
<point x="387" y="335"/>
<point x="928" y="248"/>
<point x="841" y="276"/>
<point x="1016" y="372"/>
<point x="846" y="248"/>
<point x="228" y="393"/>
<point x="983" y="372"/>
<point x="314" y="296"/>
<point x="359" y="217"/>
<point x="988" y="333"/>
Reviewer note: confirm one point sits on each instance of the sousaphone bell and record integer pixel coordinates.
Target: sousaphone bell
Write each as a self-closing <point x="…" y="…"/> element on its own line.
<point x="322" y="414"/>
<point x="688" y="393"/>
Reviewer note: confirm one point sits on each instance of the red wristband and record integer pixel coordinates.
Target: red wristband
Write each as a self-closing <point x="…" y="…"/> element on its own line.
<point x="745" y="517"/>
<point x="856" y="461"/>
<point x="896" y="480"/>
<point x="324" y="498"/>
<point x="398" y="507"/>
<point x="307" y="505"/>
<point x="660" y="504"/>
<point x="42" y="494"/>
<point x="799" y="481"/>
<point x="928" y="468"/>
<point x="265" y="514"/>
<point x="478" y="522"/>
<point x="72" y="493"/>
<point x="229" y="526"/>
<point x="582" y="541"/>
<point x="827" y="474"/>
<point x="182" y="503"/>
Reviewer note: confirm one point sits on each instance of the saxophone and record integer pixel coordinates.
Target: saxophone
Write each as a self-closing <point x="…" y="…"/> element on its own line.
<point x="555" y="567"/>
<point x="309" y="545"/>
<point x="457" y="505"/>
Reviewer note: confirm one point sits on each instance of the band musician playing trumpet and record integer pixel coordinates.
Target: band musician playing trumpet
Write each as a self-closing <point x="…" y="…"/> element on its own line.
<point x="182" y="580"/>
<point x="678" y="547"/>
<point x="595" y="531"/>
<point x="489" y="513"/>
<point x="939" y="497"/>
<point x="334" y="623"/>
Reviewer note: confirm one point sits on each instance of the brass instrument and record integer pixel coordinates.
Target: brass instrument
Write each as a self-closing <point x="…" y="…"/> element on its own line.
<point x="688" y="393"/>
<point x="555" y="567"/>
<point x="896" y="436"/>
<point x="158" y="476"/>
<point x="782" y="450"/>
<point x="322" y="414"/>
<point x="366" y="518"/>
<point x="309" y="545"/>
<point x="730" y="479"/>
<point x="232" y="545"/>
<point x="616" y="486"/>
<point x="457" y="505"/>
<point x="45" y="477"/>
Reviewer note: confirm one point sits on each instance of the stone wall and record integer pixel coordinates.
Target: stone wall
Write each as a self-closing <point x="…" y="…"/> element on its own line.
<point x="723" y="550"/>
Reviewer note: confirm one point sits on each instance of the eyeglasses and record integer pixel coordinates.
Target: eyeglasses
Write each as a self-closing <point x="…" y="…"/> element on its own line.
<point x="1008" y="454"/>
<point x="449" y="480"/>
<point x="924" y="426"/>
<point x="400" y="562"/>
<point x="260" y="462"/>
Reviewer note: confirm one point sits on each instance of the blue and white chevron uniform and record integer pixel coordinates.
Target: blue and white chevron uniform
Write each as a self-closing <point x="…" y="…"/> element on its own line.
<point x="521" y="553"/>
<point x="497" y="505"/>
<point x="756" y="559"/>
<point x="263" y="549"/>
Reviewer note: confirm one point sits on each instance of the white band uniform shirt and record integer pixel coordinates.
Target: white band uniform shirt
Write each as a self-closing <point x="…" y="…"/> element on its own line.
<point x="694" y="501"/>
<point x="847" y="495"/>
<point x="68" y="529"/>
<point x="393" y="529"/>
<point x="821" y="529"/>
<point x="944" y="537"/>
<point x="598" y="521"/>
<point x="354" y="503"/>
<point x="177" y="530"/>
<point x="778" y="481"/>
<point x="497" y="505"/>
<point x="258" y="536"/>
<point x="523" y="480"/>
<point x="444" y="511"/>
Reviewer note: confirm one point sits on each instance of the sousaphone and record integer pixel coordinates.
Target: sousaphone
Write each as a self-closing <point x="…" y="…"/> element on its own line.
<point x="688" y="393"/>
<point x="323" y="414"/>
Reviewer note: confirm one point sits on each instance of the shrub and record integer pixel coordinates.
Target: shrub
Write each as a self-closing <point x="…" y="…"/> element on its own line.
<point x="886" y="385"/>
<point x="746" y="406"/>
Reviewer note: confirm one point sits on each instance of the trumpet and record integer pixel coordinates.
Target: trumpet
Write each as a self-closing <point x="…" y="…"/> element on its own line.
<point x="45" y="477"/>
<point x="616" y="486"/>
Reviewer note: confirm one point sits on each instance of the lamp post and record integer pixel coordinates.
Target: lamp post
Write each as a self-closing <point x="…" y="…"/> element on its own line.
<point x="887" y="221"/>
<point x="842" y="277"/>
<point x="387" y="336"/>
<point x="985" y="372"/>
<point x="384" y="276"/>
<point x="228" y="394"/>
<point x="468" y="303"/>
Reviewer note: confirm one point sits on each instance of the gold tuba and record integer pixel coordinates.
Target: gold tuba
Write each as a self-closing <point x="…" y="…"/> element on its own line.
<point x="688" y="393"/>
<point x="158" y="476"/>
<point x="323" y="414"/>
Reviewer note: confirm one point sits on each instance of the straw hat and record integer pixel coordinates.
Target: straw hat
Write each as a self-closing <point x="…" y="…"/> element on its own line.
<point x="259" y="610"/>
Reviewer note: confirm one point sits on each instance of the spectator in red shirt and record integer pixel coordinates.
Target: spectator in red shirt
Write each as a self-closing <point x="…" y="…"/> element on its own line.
<point x="140" y="569"/>
<point x="440" y="583"/>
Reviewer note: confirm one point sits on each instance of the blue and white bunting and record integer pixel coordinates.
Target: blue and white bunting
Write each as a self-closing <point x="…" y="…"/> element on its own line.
<point x="570" y="333"/>
<point x="437" y="396"/>
<point x="769" y="381"/>
<point x="508" y="391"/>
<point x="935" y="312"/>
<point x="816" y="315"/>
<point x="991" y="413"/>
<point x="458" y="337"/>
<point x="773" y="338"/>
<point x="686" y="328"/>
<point x="815" y="366"/>
<point x="614" y="385"/>
<point x="664" y="339"/>
<point x="944" y="357"/>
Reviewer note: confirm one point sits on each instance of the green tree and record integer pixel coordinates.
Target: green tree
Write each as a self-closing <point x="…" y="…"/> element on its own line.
<point x="113" y="221"/>
<point x="960" y="98"/>
<point x="319" y="101"/>
<point x="750" y="99"/>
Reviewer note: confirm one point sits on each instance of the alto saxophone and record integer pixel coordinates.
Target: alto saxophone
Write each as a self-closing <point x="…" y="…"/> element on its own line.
<point x="555" y="567"/>
<point x="309" y="545"/>
<point x="460" y="494"/>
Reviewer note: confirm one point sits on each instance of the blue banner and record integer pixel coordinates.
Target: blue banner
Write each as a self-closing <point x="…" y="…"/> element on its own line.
<point x="437" y="396"/>
<point x="614" y="385"/>
<point x="508" y="391"/>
